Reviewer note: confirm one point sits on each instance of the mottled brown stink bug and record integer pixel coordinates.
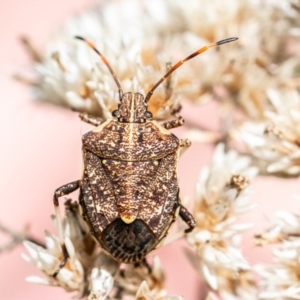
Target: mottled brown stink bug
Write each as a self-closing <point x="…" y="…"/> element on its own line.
<point x="129" y="190"/>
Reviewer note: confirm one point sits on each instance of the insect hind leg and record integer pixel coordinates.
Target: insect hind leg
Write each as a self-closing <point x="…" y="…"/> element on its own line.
<point x="144" y="263"/>
<point x="62" y="191"/>
<point x="188" y="218"/>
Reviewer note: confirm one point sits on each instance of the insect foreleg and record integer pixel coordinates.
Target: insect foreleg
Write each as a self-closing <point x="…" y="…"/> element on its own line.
<point x="188" y="218"/>
<point x="90" y="119"/>
<point x="62" y="191"/>
<point x="179" y="121"/>
<point x="184" y="145"/>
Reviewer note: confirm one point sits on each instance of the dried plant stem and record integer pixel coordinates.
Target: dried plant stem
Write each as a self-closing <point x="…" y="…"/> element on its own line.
<point x="16" y="238"/>
<point x="24" y="79"/>
<point x="30" y="49"/>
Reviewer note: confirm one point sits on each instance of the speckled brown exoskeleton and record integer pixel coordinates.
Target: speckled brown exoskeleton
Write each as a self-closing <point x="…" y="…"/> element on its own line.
<point x="129" y="190"/>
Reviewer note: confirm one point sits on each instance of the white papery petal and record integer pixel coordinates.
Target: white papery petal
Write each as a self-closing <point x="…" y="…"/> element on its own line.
<point x="70" y="247"/>
<point x="271" y="295"/>
<point x="66" y="276"/>
<point x="76" y="102"/>
<point x="26" y="258"/>
<point x="211" y="296"/>
<point x="242" y="227"/>
<point x="288" y="218"/>
<point x="33" y="249"/>
<point x="52" y="243"/>
<point x="285" y="257"/>
<point x="49" y="262"/>
<point x="208" y="253"/>
<point x="38" y="280"/>
<point x="102" y="282"/>
<point x="293" y="291"/>
<point x="210" y="276"/>
<point x="202" y="236"/>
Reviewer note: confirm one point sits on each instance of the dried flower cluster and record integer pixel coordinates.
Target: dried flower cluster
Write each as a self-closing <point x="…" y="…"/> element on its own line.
<point x="275" y="142"/>
<point x="89" y="271"/>
<point x="68" y="73"/>
<point x="281" y="280"/>
<point x="240" y="73"/>
<point x="71" y="75"/>
<point x="223" y="193"/>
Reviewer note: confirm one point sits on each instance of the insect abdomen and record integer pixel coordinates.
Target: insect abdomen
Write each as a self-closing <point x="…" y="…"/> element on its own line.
<point x="128" y="243"/>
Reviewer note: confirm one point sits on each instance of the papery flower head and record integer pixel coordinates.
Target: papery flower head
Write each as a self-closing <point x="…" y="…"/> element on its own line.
<point x="101" y="284"/>
<point x="241" y="72"/>
<point x="286" y="228"/>
<point x="81" y="250"/>
<point x="274" y="143"/>
<point x="281" y="280"/>
<point x="144" y="293"/>
<point x="68" y="73"/>
<point x="222" y="190"/>
<point x="222" y="193"/>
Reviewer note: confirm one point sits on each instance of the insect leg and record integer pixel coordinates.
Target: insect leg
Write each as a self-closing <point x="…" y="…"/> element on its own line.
<point x="61" y="191"/>
<point x="188" y="218"/>
<point x="184" y="144"/>
<point x="90" y="119"/>
<point x="144" y="263"/>
<point x="176" y="110"/>
<point x="173" y="123"/>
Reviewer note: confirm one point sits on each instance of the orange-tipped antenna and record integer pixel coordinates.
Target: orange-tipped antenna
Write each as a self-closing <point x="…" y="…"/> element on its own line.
<point x="201" y="50"/>
<point x="91" y="45"/>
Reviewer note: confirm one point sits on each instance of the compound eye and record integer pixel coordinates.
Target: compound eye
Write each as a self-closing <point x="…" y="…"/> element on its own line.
<point x="148" y="115"/>
<point x="116" y="113"/>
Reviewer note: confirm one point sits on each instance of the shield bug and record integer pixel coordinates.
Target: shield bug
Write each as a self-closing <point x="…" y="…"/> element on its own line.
<point x="129" y="190"/>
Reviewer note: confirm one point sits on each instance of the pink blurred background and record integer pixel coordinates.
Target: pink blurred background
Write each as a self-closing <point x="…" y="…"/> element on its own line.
<point x="41" y="150"/>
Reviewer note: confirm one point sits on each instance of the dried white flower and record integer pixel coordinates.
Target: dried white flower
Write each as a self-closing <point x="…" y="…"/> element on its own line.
<point x="48" y="259"/>
<point x="82" y="257"/>
<point x="275" y="142"/>
<point x="282" y="280"/>
<point x="241" y="71"/>
<point x="102" y="284"/>
<point x="70" y="74"/>
<point x="211" y="296"/>
<point x="144" y="293"/>
<point x="222" y="193"/>
<point x="131" y="279"/>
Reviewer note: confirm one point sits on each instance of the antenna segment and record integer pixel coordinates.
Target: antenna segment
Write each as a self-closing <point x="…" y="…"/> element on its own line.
<point x="199" y="51"/>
